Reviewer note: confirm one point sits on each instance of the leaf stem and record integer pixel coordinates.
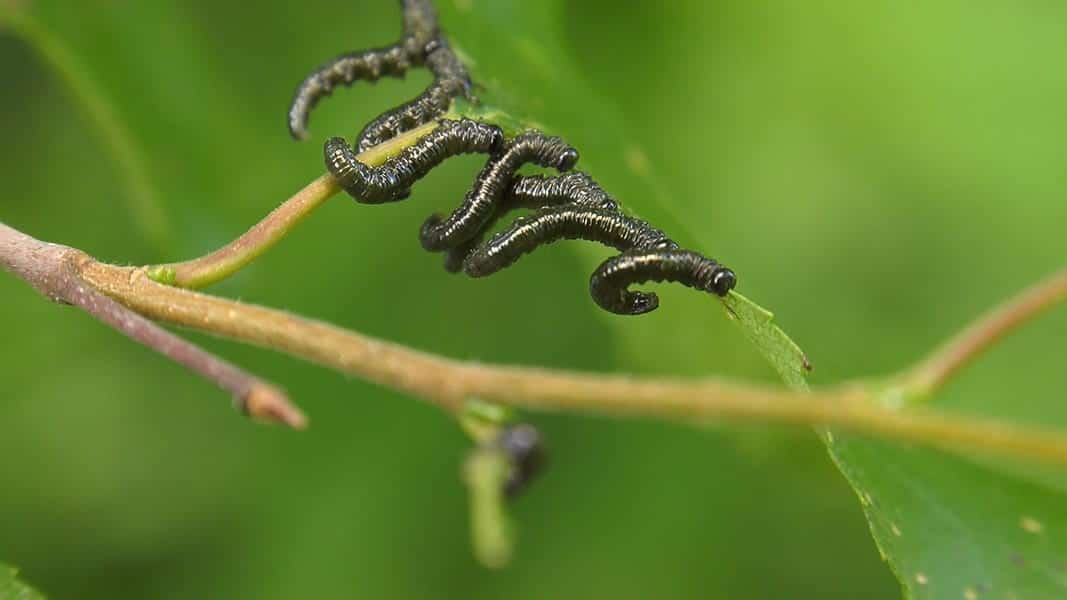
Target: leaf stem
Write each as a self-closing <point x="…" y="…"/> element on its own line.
<point x="264" y="235"/>
<point x="937" y="369"/>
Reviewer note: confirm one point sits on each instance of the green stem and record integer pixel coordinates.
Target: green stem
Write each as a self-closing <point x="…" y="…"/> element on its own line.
<point x="143" y="202"/>
<point x="492" y="530"/>
<point x="936" y="370"/>
<point x="220" y="264"/>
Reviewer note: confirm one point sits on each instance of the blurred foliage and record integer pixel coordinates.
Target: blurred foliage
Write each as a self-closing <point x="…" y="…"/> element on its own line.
<point x="877" y="173"/>
<point x="13" y="589"/>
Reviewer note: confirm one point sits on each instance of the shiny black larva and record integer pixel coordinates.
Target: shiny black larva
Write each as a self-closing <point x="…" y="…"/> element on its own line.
<point x="369" y="66"/>
<point x="392" y="180"/>
<point x="534" y="192"/>
<point x="570" y="205"/>
<point x="610" y="282"/>
<point x="567" y="222"/>
<point x="422" y="45"/>
<point x="485" y="198"/>
<point x="450" y="81"/>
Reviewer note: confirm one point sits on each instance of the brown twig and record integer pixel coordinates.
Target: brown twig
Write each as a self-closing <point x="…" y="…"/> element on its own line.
<point x="55" y="272"/>
<point x="449" y="383"/>
<point x="933" y="372"/>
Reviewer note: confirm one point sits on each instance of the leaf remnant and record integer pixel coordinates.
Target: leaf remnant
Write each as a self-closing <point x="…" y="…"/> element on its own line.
<point x="758" y="325"/>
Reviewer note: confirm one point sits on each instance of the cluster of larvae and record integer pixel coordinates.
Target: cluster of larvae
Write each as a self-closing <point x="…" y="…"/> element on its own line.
<point x="570" y="205"/>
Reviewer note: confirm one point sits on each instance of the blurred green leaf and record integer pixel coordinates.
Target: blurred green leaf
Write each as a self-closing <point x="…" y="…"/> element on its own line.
<point x="952" y="529"/>
<point x="141" y="197"/>
<point x="875" y="142"/>
<point x="948" y="528"/>
<point x="13" y="589"/>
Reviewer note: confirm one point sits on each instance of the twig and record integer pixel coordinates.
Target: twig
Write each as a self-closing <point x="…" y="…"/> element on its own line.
<point x="448" y="383"/>
<point x="54" y="271"/>
<point x="933" y="372"/>
<point x="220" y="264"/>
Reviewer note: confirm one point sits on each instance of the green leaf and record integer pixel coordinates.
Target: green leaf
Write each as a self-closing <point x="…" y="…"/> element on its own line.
<point x="951" y="529"/>
<point x="783" y="354"/>
<point x="947" y="527"/>
<point x="13" y="589"/>
<point x="141" y="196"/>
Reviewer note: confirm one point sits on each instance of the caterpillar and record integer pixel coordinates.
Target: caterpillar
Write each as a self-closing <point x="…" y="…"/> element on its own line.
<point x="391" y="181"/>
<point x="450" y="81"/>
<point x="568" y="205"/>
<point x="484" y="198"/>
<point x="554" y="223"/>
<point x="610" y="282"/>
<point x="421" y="45"/>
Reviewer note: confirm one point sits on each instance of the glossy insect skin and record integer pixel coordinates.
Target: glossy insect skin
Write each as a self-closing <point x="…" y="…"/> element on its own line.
<point x="420" y="31"/>
<point x="566" y="206"/>
<point x="534" y="192"/>
<point x="450" y="81"/>
<point x="485" y="198"/>
<point x="537" y="191"/>
<point x="610" y="281"/>
<point x="422" y="45"/>
<point x="391" y="181"/>
<point x="369" y="66"/>
<point x="568" y="222"/>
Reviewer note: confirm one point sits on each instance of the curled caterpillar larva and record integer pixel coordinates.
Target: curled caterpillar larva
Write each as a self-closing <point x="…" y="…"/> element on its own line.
<point x="450" y="81"/>
<point x="390" y="181"/>
<point x="487" y="194"/>
<point x="566" y="222"/>
<point x="610" y="282"/>
<point x="533" y="192"/>
<point x="420" y="33"/>
<point x="369" y="65"/>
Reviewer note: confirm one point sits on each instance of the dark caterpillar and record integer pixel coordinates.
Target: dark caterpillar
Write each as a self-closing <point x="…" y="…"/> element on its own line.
<point x="484" y="199"/>
<point x="391" y="181"/>
<point x="610" y="281"/>
<point x="450" y="81"/>
<point x="534" y="192"/>
<point x="422" y="45"/>
<point x="567" y="206"/>
<point x="568" y="222"/>
<point x="369" y="66"/>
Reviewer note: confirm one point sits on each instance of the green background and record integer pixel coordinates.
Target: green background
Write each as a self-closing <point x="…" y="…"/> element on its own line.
<point x="876" y="173"/>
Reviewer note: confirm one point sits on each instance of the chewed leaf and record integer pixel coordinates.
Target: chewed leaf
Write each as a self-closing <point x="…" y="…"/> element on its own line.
<point x="13" y="589"/>
<point x="776" y="347"/>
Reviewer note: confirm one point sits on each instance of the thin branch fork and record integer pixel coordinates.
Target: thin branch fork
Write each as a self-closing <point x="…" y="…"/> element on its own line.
<point x="947" y="361"/>
<point x="71" y="276"/>
<point x="55" y="272"/>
